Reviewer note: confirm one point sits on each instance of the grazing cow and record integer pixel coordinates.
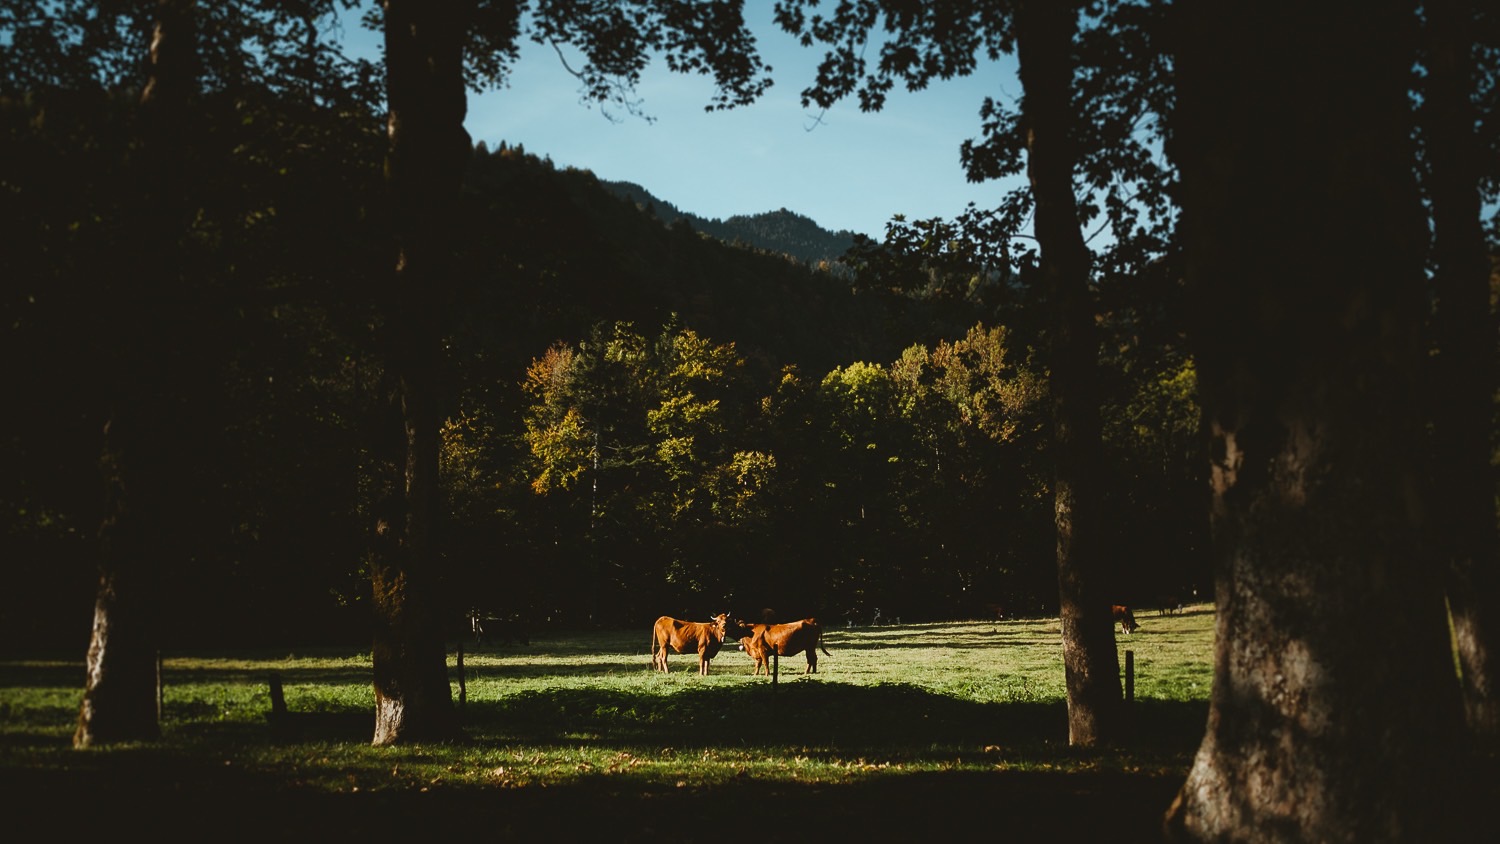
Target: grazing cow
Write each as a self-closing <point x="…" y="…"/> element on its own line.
<point x="702" y="637"/>
<point x="488" y="628"/>
<point x="758" y="651"/>
<point x="1173" y="602"/>
<point x="1125" y="617"/>
<point x="786" y="640"/>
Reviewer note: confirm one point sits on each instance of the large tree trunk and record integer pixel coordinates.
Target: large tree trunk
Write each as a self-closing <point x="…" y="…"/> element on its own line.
<point x="120" y="691"/>
<point x="1463" y="382"/>
<point x="1334" y="710"/>
<point x="428" y="152"/>
<point x="1044" y="45"/>
<point x="138" y="457"/>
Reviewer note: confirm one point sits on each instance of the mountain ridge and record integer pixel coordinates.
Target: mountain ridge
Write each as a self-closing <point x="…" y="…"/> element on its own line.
<point x="567" y="253"/>
<point x="782" y="231"/>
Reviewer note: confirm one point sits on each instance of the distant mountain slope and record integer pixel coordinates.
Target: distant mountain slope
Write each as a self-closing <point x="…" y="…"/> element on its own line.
<point x="553" y="251"/>
<point x="782" y="231"/>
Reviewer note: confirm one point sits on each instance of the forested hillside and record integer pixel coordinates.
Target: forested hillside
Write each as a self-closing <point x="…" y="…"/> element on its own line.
<point x="782" y="231"/>
<point x="582" y="253"/>
<point x="763" y="433"/>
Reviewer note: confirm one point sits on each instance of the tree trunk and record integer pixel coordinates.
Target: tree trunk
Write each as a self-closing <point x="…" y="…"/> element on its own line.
<point x="1044" y="45"/>
<point x="138" y="456"/>
<point x="119" y="699"/>
<point x="428" y="152"/>
<point x="1464" y="372"/>
<point x="1334" y="711"/>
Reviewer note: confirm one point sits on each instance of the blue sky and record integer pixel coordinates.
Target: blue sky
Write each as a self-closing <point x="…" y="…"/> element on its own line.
<point x="850" y="171"/>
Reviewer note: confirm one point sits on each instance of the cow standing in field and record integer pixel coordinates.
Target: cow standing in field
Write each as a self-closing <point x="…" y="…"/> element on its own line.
<point x="777" y="640"/>
<point x="490" y="629"/>
<point x="757" y="650"/>
<point x="1172" y="603"/>
<point x="702" y="637"/>
<point x="1125" y="617"/>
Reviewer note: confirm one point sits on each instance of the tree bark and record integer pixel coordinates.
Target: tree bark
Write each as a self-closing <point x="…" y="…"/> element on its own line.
<point x="1334" y="712"/>
<point x="1044" y="45"/>
<point x="428" y="151"/>
<point x="1464" y="371"/>
<point x="138" y="460"/>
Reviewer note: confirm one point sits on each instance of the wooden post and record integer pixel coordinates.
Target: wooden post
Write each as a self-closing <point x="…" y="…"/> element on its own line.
<point x="775" y="666"/>
<point x="278" y="699"/>
<point x="463" y="693"/>
<point x="161" y="697"/>
<point x="1129" y="677"/>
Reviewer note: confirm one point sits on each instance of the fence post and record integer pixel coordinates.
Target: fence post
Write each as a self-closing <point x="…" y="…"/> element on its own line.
<point x="161" y="697"/>
<point x="278" y="699"/>
<point x="1129" y="677"/>
<point x="463" y="693"/>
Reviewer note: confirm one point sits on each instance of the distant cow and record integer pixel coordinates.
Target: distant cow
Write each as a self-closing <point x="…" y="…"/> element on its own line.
<point x="488" y="628"/>
<point x="1173" y="602"/>
<point x="785" y="640"/>
<point x="701" y="637"/>
<point x="1125" y="617"/>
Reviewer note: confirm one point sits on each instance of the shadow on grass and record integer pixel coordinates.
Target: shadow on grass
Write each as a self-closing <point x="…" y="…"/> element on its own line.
<point x="880" y="719"/>
<point x="184" y="789"/>
<point x="1025" y="806"/>
<point x="820" y="714"/>
<point x="194" y="785"/>
<point x="196" y="781"/>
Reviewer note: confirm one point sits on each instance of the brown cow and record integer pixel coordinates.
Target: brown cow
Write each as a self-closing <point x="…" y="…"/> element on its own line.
<point x="785" y="640"/>
<point x="704" y="637"/>
<point x="757" y="650"/>
<point x="488" y="628"/>
<point x="1125" y="617"/>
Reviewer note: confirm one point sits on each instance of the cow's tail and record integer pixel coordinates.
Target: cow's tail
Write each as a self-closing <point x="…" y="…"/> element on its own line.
<point x="820" y="643"/>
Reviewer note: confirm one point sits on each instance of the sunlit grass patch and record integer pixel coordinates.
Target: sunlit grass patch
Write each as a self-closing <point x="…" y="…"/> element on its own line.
<point x="586" y="710"/>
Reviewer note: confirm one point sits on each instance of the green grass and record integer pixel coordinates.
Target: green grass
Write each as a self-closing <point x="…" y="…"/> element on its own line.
<point x="896" y="707"/>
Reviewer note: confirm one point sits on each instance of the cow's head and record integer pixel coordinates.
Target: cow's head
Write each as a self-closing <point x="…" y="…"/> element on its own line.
<point x="738" y="628"/>
<point x="721" y="623"/>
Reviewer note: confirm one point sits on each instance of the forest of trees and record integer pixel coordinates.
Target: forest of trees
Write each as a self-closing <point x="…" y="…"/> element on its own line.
<point x="893" y="445"/>
<point x="287" y="343"/>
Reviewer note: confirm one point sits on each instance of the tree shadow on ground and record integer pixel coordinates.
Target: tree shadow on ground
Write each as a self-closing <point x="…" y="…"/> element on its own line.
<point x="883" y="718"/>
<point x="1015" y="806"/>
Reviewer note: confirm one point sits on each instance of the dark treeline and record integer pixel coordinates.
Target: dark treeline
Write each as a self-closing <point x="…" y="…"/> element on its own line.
<point x="666" y="423"/>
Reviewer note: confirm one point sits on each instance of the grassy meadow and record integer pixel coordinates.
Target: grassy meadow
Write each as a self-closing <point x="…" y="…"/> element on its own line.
<point x="908" y="724"/>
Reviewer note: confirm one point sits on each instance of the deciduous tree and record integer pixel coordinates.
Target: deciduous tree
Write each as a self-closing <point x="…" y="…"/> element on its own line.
<point x="1304" y="239"/>
<point x="424" y="50"/>
<point x="923" y="43"/>
<point x="429" y="49"/>
<point x="138" y="462"/>
<point x="1463" y="364"/>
